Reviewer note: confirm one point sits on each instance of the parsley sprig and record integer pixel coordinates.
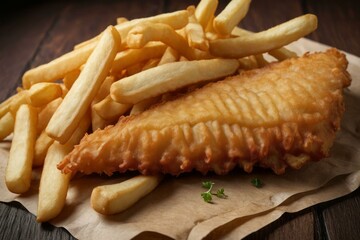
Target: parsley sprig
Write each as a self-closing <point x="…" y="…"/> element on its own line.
<point x="256" y="182"/>
<point x="207" y="196"/>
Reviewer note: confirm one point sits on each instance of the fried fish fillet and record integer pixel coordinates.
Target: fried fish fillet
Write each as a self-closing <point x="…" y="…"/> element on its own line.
<point x="278" y="116"/>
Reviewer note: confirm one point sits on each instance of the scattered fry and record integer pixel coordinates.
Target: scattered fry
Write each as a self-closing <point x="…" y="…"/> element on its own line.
<point x="18" y="170"/>
<point x="115" y="198"/>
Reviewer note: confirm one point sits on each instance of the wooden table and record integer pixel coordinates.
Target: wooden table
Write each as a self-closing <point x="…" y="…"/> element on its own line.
<point x="33" y="34"/>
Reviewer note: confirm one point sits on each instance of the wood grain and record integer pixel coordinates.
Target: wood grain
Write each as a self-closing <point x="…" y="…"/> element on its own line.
<point x="339" y="23"/>
<point x="21" y="36"/>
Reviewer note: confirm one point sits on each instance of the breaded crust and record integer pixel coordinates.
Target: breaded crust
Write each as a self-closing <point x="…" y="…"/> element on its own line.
<point x="284" y="114"/>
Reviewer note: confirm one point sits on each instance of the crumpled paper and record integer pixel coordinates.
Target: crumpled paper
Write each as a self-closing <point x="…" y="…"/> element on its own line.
<point x="175" y="208"/>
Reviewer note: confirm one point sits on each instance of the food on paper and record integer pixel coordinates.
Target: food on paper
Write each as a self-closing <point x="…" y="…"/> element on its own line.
<point x="151" y="75"/>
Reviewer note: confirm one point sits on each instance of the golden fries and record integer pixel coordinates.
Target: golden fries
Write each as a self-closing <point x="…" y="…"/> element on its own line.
<point x="140" y="35"/>
<point x="53" y="184"/>
<point x="168" y="77"/>
<point x="41" y="94"/>
<point x="130" y="57"/>
<point x="75" y="104"/>
<point x="265" y="41"/>
<point x="5" y="106"/>
<point x="18" y="170"/>
<point x="58" y="68"/>
<point x="134" y="65"/>
<point x="205" y="10"/>
<point x="143" y="105"/>
<point x="42" y="144"/>
<point x="115" y="198"/>
<point x="20" y="99"/>
<point x="70" y="78"/>
<point x="6" y="125"/>
<point x="195" y="33"/>
<point x="46" y="113"/>
<point x="170" y="55"/>
<point x="110" y="110"/>
<point x="231" y="16"/>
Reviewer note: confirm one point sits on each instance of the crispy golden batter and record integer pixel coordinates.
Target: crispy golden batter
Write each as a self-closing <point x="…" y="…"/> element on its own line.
<point x="281" y="115"/>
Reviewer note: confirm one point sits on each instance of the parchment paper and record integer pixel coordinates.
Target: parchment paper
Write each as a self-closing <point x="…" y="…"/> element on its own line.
<point x="176" y="209"/>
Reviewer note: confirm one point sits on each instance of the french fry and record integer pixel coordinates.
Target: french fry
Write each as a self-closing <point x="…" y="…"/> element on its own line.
<point x="150" y="64"/>
<point x="280" y="53"/>
<point x="98" y="122"/>
<point x="6" y="125"/>
<point x="70" y="78"/>
<point x="140" y="35"/>
<point x="115" y="198"/>
<point x="59" y="67"/>
<point x="130" y="57"/>
<point x="20" y="99"/>
<point x="41" y="94"/>
<point x="46" y="113"/>
<point x="54" y="184"/>
<point x="18" y="169"/>
<point x="121" y="20"/>
<point x="77" y="101"/>
<point x="170" y="55"/>
<point x="5" y="105"/>
<point x="265" y="41"/>
<point x="42" y="144"/>
<point x="135" y="68"/>
<point x="143" y="105"/>
<point x="248" y="63"/>
<point x="261" y="61"/>
<point x="169" y="77"/>
<point x="231" y="16"/>
<point x="104" y="89"/>
<point x="110" y="110"/>
<point x="195" y="33"/>
<point x="176" y="20"/>
<point x="205" y="10"/>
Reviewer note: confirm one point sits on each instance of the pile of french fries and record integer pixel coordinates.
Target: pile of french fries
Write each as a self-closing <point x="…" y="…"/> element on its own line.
<point x="123" y="71"/>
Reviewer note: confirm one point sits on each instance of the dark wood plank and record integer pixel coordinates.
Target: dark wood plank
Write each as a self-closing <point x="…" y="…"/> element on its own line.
<point x="21" y="35"/>
<point x="290" y="226"/>
<point x="82" y="20"/>
<point x="20" y="224"/>
<point x="339" y="23"/>
<point x="342" y="217"/>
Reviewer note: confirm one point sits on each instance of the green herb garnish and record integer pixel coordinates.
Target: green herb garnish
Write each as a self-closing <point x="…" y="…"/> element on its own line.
<point x="207" y="196"/>
<point x="256" y="182"/>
